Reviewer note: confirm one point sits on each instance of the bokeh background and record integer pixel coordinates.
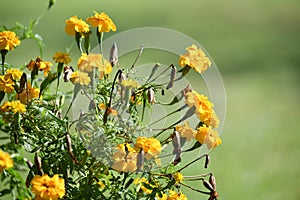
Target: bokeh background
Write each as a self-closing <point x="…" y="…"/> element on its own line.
<point x="255" y="44"/>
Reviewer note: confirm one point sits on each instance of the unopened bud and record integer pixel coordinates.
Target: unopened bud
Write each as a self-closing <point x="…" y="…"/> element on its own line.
<point x="113" y="57"/>
<point x="23" y="82"/>
<point x="208" y="186"/>
<point x="38" y="163"/>
<point x="151" y="98"/>
<point x="173" y="73"/>
<point x="162" y="92"/>
<point x="212" y="181"/>
<point x="140" y="160"/>
<point x="207" y="159"/>
<point x="68" y="71"/>
<point x="177" y="147"/>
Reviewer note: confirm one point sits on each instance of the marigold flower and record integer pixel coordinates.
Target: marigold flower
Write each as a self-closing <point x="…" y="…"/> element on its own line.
<point x="13" y="106"/>
<point x="102" y="21"/>
<point x="176" y="196"/>
<point x="151" y="146"/>
<point x="60" y="57"/>
<point x="8" y="40"/>
<point x="14" y="73"/>
<point x="110" y="111"/>
<point x="29" y="94"/>
<point x="47" y="188"/>
<point x="5" y="161"/>
<point x="40" y="65"/>
<point x="6" y="83"/>
<point x="101" y="184"/>
<point x="186" y="131"/>
<point x="207" y="135"/>
<point x="204" y="108"/>
<point x="178" y="177"/>
<point x="80" y="77"/>
<point x="195" y="58"/>
<point x="139" y="181"/>
<point x="87" y="62"/>
<point x="125" y="158"/>
<point x="74" y="25"/>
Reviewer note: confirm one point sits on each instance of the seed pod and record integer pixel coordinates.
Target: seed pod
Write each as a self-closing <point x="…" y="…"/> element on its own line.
<point x="162" y="92"/>
<point x="23" y="82"/>
<point x="207" y="185"/>
<point x="68" y="71"/>
<point x="151" y="98"/>
<point x="173" y="73"/>
<point x="212" y="181"/>
<point x="177" y="147"/>
<point x="140" y="160"/>
<point x="207" y="159"/>
<point x="38" y="163"/>
<point x="113" y="57"/>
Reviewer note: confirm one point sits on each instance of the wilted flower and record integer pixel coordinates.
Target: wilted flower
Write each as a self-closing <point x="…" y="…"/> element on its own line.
<point x="207" y="135"/>
<point x="13" y="106"/>
<point x="40" y="65"/>
<point x="29" y="94"/>
<point x="74" y="25"/>
<point x="68" y="71"/>
<point x="60" y="57"/>
<point x="80" y="77"/>
<point x="47" y="188"/>
<point x="195" y="58"/>
<point x="151" y="146"/>
<point x="102" y="21"/>
<point x="125" y="158"/>
<point x="5" y="161"/>
<point x="8" y="40"/>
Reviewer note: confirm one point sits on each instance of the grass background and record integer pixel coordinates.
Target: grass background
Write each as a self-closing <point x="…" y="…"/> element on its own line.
<point x="254" y="43"/>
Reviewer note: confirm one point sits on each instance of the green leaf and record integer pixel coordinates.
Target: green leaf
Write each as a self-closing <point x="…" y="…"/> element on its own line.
<point x="47" y="82"/>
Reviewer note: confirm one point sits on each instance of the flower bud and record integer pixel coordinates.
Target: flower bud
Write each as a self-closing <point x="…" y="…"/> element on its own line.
<point x="38" y="163"/>
<point x="23" y="82"/>
<point x="113" y="57"/>
<point x="151" y="98"/>
<point x="207" y="159"/>
<point x="140" y="160"/>
<point x="208" y="186"/>
<point x="68" y="71"/>
<point x="29" y="164"/>
<point x="173" y="73"/>
<point x="177" y="147"/>
<point x="212" y="181"/>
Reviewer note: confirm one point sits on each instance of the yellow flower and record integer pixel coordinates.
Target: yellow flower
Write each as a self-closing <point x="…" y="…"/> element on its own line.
<point x="6" y="83"/>
<point x="139" y="181"/>
<point x="195" y="58"/>
<point x="102" y="186"/>
<point x="102" y="21"/>
<point x="13" y="106"/>
<point x="186" y="131"/>
<point x="60" y="57"/>
<point x="207" y="135"/>
<point x="29" y="94"/>
<point x="104" y="68"/>
<point x="204" y="108"/>
<point x="74" y="25"/>
<point x="40" y="65"/>
<point x="81" y="78"/>
<point x="14" y="73"/>
<point x="178" y="177"/>
<point x="110" y="111"/>
<point x="8" y="40"/>
<point x="47" y="188"/>
<point x="5" y="161"/>
<point x="130" y="83"/>
<point x="151" y="146"/>
<point x="176" y="196"/>
<point x="125" y="158"/>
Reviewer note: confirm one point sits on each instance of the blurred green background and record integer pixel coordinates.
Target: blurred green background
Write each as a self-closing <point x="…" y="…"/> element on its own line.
<point x="255" y="44"/>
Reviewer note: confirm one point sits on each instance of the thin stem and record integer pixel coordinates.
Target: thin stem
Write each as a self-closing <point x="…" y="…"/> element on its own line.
<point x="100" y="38"/>
<point x="138" y="56"/>
<point x="197" y="190"/>
<point x="3" y="54"/>
<point x="192" y="162"/>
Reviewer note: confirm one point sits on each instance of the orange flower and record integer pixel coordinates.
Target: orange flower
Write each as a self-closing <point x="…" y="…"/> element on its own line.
<point x="5" y="161"/>
<point x="80" y="77"/>
<point x="206" y="135"/>
<point x="13" y="106"/>
<point x="125" y="158"/>
<point x="29" y="94"/>
<point x="74" y="25"/>
<point x="186" y="131"/>
<point x="102" y="21"/>
<point x="60" y="57"/>
<point x="40" y="65"/>
<point x="150" y="146"/>
<point x="8" y="40"/>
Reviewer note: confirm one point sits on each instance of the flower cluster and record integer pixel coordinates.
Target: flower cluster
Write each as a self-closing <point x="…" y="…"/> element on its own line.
<point x="135" y="155"/>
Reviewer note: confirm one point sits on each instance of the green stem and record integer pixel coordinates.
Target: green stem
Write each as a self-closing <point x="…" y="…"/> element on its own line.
<point x="100" y="38"/>
<point x="3" y="54"/>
